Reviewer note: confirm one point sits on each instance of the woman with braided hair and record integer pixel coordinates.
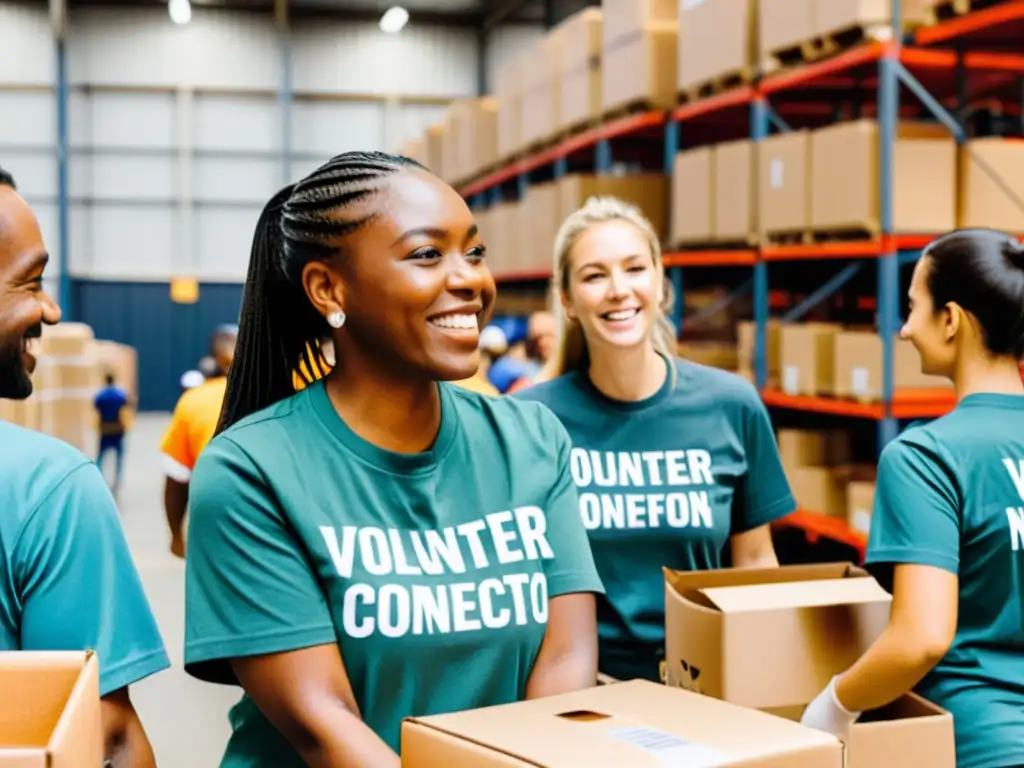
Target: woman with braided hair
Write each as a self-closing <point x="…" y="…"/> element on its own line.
<point x="382" y="543"/>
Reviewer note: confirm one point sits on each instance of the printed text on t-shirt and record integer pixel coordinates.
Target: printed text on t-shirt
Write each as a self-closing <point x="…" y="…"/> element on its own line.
<point x="1015" y="515"/>
<point x="670" y="480"/>
<point x="427" y="605"/>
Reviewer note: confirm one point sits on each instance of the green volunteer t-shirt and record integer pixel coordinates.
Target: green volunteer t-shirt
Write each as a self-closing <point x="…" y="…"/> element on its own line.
<point x="67" y="579"/>
<point x="950" y="494"/>
<point x="432" y="572"/>
<point x="664" y="482"/>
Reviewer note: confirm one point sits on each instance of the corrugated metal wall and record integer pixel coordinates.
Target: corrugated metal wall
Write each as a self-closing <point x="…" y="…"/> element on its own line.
<point x="177" y="139"/>
<point x="169" y="337"/>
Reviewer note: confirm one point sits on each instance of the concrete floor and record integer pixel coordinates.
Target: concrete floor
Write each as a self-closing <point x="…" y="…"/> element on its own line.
<point x="186" y="719"/>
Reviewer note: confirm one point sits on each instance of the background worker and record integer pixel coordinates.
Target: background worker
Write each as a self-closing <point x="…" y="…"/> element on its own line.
<point x="947" y="530"/>
<point x="192" y="426"/>
<point x="674" y="461"/>
<point x="297" y="502"/>
<point x="67" y="580"/>
<point x="110" y="403"/>
<point x="526" y="355"/>
<point x="492" y="346"/>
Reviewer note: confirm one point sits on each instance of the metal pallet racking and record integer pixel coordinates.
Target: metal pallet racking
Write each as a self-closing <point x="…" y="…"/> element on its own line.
<point x="943" y="67"/>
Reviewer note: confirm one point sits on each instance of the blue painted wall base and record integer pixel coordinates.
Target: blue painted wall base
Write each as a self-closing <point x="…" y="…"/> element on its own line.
<point x="170" y="338"/>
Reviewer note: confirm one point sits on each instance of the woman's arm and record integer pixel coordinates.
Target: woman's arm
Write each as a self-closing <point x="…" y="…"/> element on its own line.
<point x="921" y="629"/>
<point x="568" y="656"/>
<point x="754" y="549"/>
<point x="307" y="696"/>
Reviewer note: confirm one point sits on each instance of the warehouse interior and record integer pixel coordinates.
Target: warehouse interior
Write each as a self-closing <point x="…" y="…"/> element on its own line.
<point x="795" y="157"/>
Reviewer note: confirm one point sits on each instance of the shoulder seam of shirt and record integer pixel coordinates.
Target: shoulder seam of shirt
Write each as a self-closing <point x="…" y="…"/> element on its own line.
<point x="35" y="510"/>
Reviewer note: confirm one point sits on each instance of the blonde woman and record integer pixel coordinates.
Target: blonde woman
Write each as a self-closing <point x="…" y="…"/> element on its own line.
<point x="675" y="462"/>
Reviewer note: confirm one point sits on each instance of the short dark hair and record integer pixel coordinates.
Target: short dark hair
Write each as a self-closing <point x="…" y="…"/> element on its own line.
<point x="6" y="179"/>
<point x="982" y="270"/>
<point x="278" y="326"/>
<point x="110" y="379"/>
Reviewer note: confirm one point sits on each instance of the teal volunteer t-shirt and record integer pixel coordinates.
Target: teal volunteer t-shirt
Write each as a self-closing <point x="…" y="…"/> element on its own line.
<point x="664" y="482"/>
<point x="432" y="572"/>
<point x="950" y="494"/>
<point x="67" y="579"/>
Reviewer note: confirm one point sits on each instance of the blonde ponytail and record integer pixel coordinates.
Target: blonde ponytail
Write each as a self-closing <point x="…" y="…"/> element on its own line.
<point x="571" y="351"/>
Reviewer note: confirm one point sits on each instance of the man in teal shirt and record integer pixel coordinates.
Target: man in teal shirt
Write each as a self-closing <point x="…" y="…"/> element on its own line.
<point x="67" y="580"/>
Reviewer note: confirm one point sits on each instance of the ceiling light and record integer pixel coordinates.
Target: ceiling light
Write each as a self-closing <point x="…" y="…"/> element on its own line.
<point x="180" y="11"/>
<point x="394" y="19"/>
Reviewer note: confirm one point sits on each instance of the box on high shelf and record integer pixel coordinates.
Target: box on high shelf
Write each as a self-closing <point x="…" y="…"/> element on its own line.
<point x="541" y="92"/>
<point x="734" y="193"/>
<point x="772" y="639"/>
<point x="433" y="140"/>
<point x="983" y="200"/>
<point x="639" y="69"/>
<point x="832" y="17"/>
<point x="693" y="197"/>
<point x="539" y="223"/>
<point x="477" y="148"/>
<point x="783" y="182"/>
<point x="505" y="239"/>
<point x="845" y="185"/>
<point x="783" y="25"/>
<point x="509" y="86"/>
<point x="624" y="18"/>
<point x="647" y="191"/>
<point x="580" y="69"/>
<point x="746" y="333"/>
<point x="717" y="41"/>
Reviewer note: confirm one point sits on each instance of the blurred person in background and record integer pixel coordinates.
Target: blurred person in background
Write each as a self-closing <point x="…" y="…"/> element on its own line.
<point x="492" y="346"/>
<point x="526" y="355"/>
<point x="675" y="462"/>
<point x="67" y="580"/>
<point x="193" y="424"/>
<point x="947" y="529"/>
<point x="298" y="495"/>
<point x="110" y="403"/>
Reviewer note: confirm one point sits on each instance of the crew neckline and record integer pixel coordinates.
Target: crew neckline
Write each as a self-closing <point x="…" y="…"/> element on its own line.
<point x="381" y="458"/>
<point x="633" y="406"/>
<point x="992" y="399"/>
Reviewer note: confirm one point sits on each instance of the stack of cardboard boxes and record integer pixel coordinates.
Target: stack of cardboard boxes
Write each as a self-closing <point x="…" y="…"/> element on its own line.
<point x="746" y="651"/>
<point x="70" y="369"/>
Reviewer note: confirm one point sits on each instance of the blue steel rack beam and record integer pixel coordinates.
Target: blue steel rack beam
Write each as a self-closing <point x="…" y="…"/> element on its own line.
<point x="58" y="21"/>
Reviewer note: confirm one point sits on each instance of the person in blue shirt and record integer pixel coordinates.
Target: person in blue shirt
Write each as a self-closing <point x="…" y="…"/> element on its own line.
<point x="67" y="580"/>
<point x="110" y="403"/>
<point x="947" y="530"/>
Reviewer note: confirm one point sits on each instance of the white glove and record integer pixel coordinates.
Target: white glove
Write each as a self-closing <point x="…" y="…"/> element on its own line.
<point x="825" y="713"/>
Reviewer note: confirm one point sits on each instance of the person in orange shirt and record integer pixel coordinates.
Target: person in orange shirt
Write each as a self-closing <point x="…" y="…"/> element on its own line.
<point x="192" y="427"/>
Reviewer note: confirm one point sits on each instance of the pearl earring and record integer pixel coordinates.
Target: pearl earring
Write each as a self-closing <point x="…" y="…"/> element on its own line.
<point x="336" y="319"/>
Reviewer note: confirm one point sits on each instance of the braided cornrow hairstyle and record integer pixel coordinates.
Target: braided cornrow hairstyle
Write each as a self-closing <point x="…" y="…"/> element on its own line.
<point x="278" y="326"/>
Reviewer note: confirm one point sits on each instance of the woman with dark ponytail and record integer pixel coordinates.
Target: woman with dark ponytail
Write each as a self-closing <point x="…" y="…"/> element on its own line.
<point x="947" y="532"/>
<point x="380" y="544"/>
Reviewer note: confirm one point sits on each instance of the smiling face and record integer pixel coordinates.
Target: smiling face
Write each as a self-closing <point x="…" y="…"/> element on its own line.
<point x="24" y="306"/>
<point x="412" y="282"/>
<point x="613" y="286"/>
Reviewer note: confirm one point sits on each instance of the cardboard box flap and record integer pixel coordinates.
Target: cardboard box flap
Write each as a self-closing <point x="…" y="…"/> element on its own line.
<point x="683" y="581"/>
<point x="803" y="594"/>
<point x="635" y="723"/>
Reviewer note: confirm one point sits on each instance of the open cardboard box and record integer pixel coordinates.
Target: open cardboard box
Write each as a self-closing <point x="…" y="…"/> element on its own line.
<point x="638" y="724"/>
<point x="50" y="710"/>
<point x="772" y="639"/>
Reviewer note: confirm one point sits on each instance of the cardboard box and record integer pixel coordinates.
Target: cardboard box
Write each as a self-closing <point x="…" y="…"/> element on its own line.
<point x="505" y="255"/>
<point x="647" y="191"/>
<point x="769" y="638"/>
<point x="715" y="354"/>
<point x="50" y="710"/>
<point x="807" y="358"/>
<point x="539" y="223"/>
<point x="819" y="489"/>
<point x="746" y="338"/>
<point x="625" y="18"/>
<point x="858" y="367"/>
<point x="509" y="85"/>
<point x="784" y="24"/>
<point x="845" y="178"/>
<point x="784" y="183"/>
<point x="693" y="211"/>
<point x="478" y="133"/>
<point x="984" y="201"/>
<point x="832" y="16"/>
<point x="716" y="38"/>
<point x="814" y="448"/>
<point x="639" y="68"/>
<point x="860" y="501"/>
<point x="580" y="74"/>
<point x="434" y="140"/>
<point x="541" y="96"/>
<point x="734" y="189"/>
<point x="636" y="724"/>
